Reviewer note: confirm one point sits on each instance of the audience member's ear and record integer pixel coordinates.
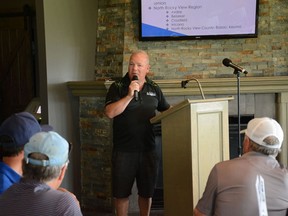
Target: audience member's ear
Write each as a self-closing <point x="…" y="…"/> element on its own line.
<point x="246" y="144"/>
<point x="62" y="173"/>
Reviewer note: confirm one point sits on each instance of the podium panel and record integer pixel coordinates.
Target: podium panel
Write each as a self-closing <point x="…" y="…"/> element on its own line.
<point x="195" y="136"/>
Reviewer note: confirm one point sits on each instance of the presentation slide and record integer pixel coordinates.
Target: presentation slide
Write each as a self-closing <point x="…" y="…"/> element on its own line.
<point x="198" y="17"/>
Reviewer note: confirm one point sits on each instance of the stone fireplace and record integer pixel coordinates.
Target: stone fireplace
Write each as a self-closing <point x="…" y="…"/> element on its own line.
<point x="259" y="96"/>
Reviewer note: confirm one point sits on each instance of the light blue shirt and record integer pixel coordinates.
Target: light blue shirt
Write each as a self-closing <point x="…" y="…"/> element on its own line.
<point x="7" y="177"/>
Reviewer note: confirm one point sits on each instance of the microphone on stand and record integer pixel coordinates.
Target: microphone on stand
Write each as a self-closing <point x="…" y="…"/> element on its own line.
<point x="136" y="93"/>
<point x="228" y="63"/>
<point x="184" y="83"/>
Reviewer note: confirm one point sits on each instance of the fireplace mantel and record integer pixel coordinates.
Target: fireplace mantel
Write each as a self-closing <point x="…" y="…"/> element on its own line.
<point x="213" y="86"/>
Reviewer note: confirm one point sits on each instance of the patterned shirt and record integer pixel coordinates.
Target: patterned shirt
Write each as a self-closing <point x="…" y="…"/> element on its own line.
<point x="34" y="199"/>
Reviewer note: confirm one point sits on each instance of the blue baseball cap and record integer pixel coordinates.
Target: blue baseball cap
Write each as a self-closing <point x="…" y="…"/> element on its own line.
<point x="51" y="144"/>
<point x="20" y="127"/>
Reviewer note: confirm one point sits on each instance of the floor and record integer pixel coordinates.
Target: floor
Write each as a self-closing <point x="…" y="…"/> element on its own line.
<point x="153" y="213"/>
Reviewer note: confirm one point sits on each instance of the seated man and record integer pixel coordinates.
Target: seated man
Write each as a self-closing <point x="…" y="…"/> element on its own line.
<point x="15" y="131"/>
<point x="44" y="166"/>
<point x="254" y="184"/>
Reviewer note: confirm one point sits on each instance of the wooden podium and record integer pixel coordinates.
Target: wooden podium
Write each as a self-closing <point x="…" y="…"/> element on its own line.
<point x="195" y="136"/>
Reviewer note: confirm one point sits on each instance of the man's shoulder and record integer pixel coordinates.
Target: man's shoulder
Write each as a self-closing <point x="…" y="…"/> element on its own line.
<point x="231" y="162"/>
<point x="66" y="197"/>
<point x="4" y="167"/>
<point x="152" y="86"/>
<point x="7" y="177"/>
<point x="6" y="170"/>
<point x="152" y="83"/>
<point x="67" y="202"/>
<point x="122" y="82"/>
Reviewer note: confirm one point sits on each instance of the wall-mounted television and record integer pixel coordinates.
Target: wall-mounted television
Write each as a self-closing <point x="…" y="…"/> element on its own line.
<point x="197" y="19"/>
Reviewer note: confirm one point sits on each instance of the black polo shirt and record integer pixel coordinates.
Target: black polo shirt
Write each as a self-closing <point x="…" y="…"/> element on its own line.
<point x="132" y="130"/>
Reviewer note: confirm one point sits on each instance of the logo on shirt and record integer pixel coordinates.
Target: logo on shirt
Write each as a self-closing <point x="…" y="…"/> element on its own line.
<point x="151" y="94"/>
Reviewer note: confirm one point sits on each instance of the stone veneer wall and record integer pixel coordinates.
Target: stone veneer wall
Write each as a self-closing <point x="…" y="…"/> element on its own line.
<point x="117" y="36"/>
<point x="266" y="55"/>
<point x="96" y="139"/>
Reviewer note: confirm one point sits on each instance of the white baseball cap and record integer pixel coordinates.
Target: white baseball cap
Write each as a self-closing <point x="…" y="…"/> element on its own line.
<point x="260" y="128"/>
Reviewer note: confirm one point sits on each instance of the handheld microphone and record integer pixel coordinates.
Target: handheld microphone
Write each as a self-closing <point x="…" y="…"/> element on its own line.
<point x="136" y="93"/>
<point x="228" y="63"/>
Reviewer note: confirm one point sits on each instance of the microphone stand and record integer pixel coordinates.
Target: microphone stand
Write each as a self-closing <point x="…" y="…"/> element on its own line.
<point x="237" y="72"/>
